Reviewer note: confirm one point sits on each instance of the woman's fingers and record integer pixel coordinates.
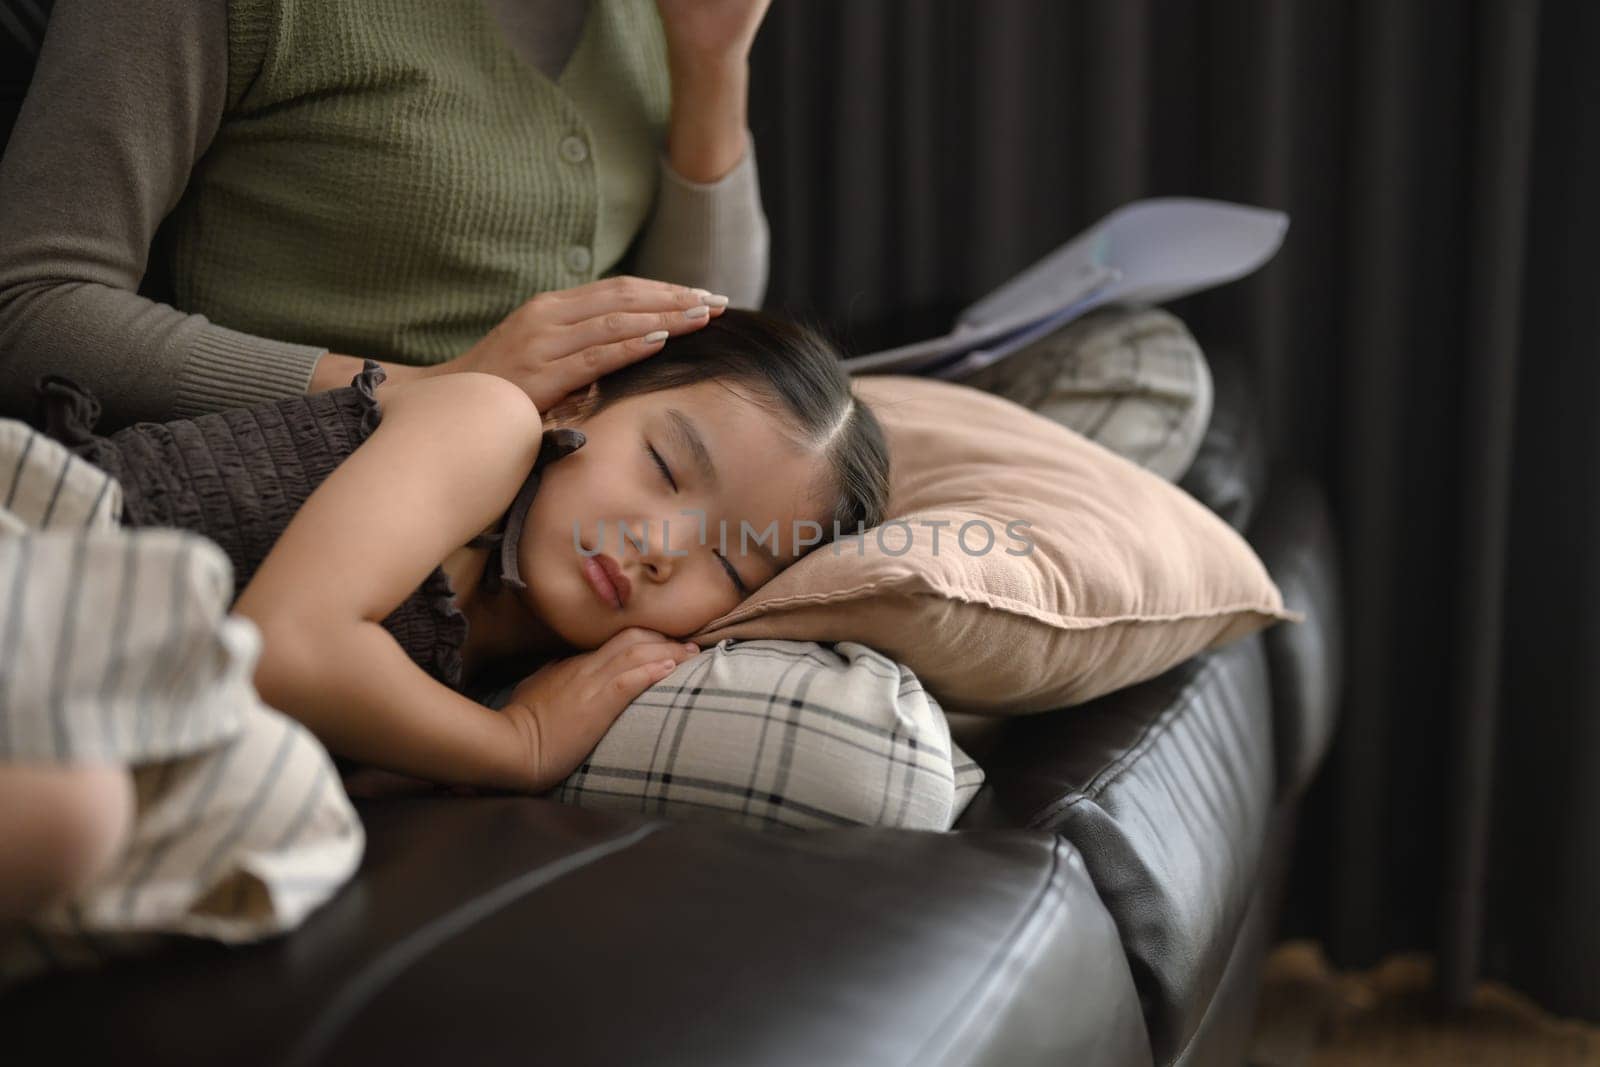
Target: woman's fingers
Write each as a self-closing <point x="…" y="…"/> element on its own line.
<point x="533" y="345"/>
<point x="628" y="294"/>
<point x="616" y="326"/>
<point x="575" y="372"/>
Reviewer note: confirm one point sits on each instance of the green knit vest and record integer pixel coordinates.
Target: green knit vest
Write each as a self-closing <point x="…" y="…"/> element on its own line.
<point x="391" y="179"/>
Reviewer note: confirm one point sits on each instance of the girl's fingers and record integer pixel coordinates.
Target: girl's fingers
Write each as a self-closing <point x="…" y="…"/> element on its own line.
<point x="634" y="645"/>
<point x="644" y="665"/>
<point x="629" y="684"/>
<point x="654" y="650"/>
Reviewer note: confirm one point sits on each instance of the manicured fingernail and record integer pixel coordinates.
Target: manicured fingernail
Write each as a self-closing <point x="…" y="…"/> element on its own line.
<point x="699" y="312"/>
<point x="653" y="336"/>
<point x="691" y="646"/>
<point x="701" y="293"/>
<point x="716" y="300"/>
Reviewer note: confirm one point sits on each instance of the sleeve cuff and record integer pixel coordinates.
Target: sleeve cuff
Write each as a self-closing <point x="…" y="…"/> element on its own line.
<point x="742" y="172"/>
<point x="230" y="369"/>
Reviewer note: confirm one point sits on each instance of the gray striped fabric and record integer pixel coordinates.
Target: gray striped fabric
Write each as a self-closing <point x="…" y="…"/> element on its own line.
<point x="116" y="646"/>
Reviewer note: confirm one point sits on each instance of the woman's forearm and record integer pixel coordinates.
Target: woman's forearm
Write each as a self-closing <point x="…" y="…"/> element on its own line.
<point x="706" y="134"/>
<point x="365" y="699"/>
<point x="121" y="108"/>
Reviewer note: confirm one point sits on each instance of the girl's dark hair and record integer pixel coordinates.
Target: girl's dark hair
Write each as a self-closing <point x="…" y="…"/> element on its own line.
<point x="792" y="372"/>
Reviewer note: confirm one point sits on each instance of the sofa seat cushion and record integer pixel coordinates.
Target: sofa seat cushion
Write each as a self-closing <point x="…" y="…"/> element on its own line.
<point x="1166" y="788"/>
<point x="503" y="929"/>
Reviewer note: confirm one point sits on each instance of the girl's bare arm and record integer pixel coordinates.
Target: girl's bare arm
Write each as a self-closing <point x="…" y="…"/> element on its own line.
<point x="444" y="463"/>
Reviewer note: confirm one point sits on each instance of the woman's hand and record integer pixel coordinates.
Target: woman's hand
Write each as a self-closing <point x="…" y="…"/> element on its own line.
<point x="560" y="342"/>
<point x="563" y="709"/>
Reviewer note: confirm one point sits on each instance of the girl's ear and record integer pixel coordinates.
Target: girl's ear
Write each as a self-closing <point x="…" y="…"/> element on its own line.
<point x="572" y="409"/>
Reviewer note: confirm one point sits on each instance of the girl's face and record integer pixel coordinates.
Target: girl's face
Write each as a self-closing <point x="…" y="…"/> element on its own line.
<point x="664" y="528"/>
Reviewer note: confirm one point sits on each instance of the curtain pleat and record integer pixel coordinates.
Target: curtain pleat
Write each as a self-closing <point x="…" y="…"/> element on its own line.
<point x="1541" y="933"/>
<point x="1506" y="43"/>
<point x="1377" y="355"/>
<point x="1424" y="345"/>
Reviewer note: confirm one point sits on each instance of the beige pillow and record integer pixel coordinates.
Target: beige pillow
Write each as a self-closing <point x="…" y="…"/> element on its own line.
<point x="1117" y="576"/>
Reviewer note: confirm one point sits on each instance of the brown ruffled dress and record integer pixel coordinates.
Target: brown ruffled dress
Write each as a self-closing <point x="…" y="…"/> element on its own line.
<point x="238" y="476"/>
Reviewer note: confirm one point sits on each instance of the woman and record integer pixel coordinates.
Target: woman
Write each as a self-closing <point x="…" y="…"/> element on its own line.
<point x="314" y="182"/>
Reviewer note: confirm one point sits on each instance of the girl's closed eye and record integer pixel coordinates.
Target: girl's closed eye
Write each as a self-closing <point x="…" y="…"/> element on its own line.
<point x="661" y="464"/>
<point x="738" y="583"/>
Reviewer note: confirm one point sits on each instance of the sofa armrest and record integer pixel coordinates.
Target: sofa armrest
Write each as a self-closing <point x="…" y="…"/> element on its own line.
<point x="1229" y="473"/>
<point x="1167" y="789"/>
<point x="1294" y="536"/>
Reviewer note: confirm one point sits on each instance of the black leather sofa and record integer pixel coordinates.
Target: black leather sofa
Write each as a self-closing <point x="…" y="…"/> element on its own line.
<point x="1107" y="898"/>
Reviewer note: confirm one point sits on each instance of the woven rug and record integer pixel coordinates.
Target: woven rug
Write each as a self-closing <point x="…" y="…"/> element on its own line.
<point x="1313" y="1016"/>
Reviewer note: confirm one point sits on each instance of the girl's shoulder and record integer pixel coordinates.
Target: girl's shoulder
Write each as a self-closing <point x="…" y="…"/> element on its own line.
<point x="450" y="396"/>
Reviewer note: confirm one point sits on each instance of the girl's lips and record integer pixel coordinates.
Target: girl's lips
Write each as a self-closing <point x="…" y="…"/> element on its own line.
<point x="619" y="581"/>
<point x="606" y="579"/>
<point x="596" y="576"/>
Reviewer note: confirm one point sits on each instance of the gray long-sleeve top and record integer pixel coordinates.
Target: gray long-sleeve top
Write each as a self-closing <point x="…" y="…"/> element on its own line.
<point x="125" y="101"/>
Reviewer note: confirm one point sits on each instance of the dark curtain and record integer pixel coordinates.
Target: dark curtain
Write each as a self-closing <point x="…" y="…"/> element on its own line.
<point x="1424" y="342"/>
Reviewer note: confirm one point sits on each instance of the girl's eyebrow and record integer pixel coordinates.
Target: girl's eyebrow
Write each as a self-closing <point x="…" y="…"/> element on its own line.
<point x="684" y="432"/>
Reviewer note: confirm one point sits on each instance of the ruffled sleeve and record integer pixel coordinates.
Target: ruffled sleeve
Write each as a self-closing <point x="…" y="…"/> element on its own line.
<point x="366" y="385"/>
<point x="502" y="567"/>
<point x="65" y="410"/>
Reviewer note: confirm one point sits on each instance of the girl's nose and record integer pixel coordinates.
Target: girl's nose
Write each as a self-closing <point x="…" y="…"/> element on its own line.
<point x="665" y="544"/>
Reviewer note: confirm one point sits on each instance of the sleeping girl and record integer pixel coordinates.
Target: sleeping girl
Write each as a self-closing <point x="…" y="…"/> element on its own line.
<point x="400" y="543"/>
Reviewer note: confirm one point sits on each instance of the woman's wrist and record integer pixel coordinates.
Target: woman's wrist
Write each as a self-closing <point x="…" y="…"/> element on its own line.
<point x="706" y="134"/>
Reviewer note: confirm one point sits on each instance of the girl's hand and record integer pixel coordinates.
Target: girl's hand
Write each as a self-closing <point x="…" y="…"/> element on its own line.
<point x="560" y="342"/>
<point x="563" y="709"/>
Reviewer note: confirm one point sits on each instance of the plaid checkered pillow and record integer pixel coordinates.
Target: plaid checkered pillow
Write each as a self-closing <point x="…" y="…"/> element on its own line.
<point x="781" y="734"/>
<point x="1131" y="379"/>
